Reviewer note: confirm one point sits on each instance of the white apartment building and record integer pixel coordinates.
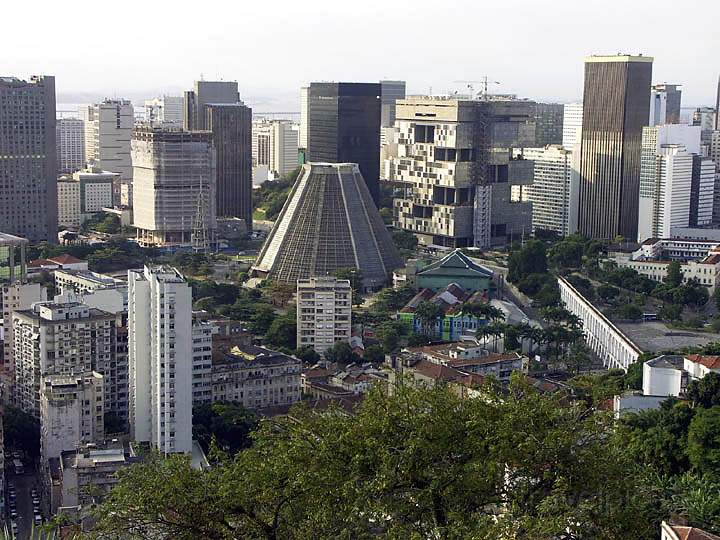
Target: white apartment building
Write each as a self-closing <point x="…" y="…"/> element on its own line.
<point x="275" y="144"/>
<point x="164" y="111"/>
<point x="15" y="296"/>
<point x="108" y="132"/>
<point x="572" y="124"/>
<point x="174" y="185"/>
<point x="202" y="338"/>
<point x="602" y="337"/>
<point x="324" y="312"/>
<point x="555" y="188"/>
<point x="70" y="141"/>
<point x="160" y="358"/>
<point x="60" y="339"/>
<point x="256" y="377"/>
<point x="84" y="194"/>
<point x="71" y="413"/>
<point x="676" y="182"/>
<point x="303" y="135"/>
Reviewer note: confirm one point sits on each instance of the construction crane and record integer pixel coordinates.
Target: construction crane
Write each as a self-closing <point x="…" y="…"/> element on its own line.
<point x="483" y="93"/>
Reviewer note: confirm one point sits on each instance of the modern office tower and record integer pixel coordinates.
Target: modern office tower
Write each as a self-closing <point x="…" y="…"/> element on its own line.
<point x="324" y="306"/>
<point x="702" y="192"/>
<point x="713" y="152"/>
<point x="509" y="124"/>
<point x="554" y="190"/>
<point x="390" y="92"/>
<point x="304" y="111"/>
<point x="71" y="413"/>
<point x="665" y="104"/>
<point x="344" y="127"/>
<point x="206" y="92"/>
<point x="717" y="107"/>
<point x="328" y="223"/>
<point x="59" y="339"/>
<point x="84" y="194"/>
<point x="108" y="132"/>
<point x="202" y="360"/>
<point x="164" y="111"/>
<point x="70" y="140"/>
<point x="454" y="157"/>
<point x="676" y="181"/>
<point x="704" y="117"/>
<point x="160" y="359"/>
<point x="28" y="165"/>
<point x="275" y="144"/>
<point x="173" y="186"/>
<point x="231" y="127"/>
<point x="572" y="125"/>
<point x="549" y="124"/>
<point x="616" y="106"/>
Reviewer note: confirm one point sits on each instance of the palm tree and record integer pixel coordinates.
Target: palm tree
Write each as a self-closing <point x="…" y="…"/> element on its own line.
<point x="428" y="314"/>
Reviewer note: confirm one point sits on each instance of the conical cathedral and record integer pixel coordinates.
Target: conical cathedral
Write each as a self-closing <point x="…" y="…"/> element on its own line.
<point x="329" y="222"/>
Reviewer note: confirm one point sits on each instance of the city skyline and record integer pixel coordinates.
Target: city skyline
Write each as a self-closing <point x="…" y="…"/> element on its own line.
<point x="531" y="58"/>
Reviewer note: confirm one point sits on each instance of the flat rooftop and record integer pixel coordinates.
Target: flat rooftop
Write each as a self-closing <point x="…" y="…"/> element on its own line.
<point x="654" y="336"/>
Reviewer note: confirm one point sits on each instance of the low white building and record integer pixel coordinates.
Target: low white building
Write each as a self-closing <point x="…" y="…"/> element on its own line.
<point x="83" y="195"/>
<point x="71" y="413"/>
<point x="705" y="271"/>
<point x="698" y="366"/>
<point x="606" y="340"/>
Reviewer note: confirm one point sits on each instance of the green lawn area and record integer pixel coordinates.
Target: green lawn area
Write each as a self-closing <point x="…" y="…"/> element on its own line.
<point x="259" y="214"/>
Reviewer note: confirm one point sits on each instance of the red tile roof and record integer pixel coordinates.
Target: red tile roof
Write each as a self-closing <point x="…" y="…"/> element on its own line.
<point x="692" y="533"/>
<point x="438" y="372"/>
<point x="710" y="362"/>
<point x="66" y="259"/>
<point x="37" y="263"/>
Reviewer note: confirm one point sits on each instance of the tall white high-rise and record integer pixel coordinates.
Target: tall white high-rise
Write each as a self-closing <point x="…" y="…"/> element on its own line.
<point x="572" y="124"/>
<point x="164" y="110"/>
<point x="160" y="358"/>
<point x="70" y="140"/>
<point x="554" y="191"/>
<point x="275" y="144"/>
<point x="676" y="181"/>
<point x="108" y="132"/>
<point x="303" y="140"/>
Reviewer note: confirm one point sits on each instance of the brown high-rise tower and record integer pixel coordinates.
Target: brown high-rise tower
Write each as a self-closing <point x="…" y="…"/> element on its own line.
<point x="616" y="106"/>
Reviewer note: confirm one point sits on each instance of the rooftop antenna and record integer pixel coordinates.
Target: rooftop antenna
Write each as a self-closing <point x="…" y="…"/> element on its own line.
<point x="482" y="94"/>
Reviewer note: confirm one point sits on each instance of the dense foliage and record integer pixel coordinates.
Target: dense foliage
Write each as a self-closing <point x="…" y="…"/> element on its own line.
<point x="421" y="463"/>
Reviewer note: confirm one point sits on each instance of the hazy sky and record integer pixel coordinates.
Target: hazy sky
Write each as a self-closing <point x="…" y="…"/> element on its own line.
<point x="534" y="48"/>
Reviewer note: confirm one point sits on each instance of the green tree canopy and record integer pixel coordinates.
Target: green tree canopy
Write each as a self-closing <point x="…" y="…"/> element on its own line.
<point x="420" y="463"/>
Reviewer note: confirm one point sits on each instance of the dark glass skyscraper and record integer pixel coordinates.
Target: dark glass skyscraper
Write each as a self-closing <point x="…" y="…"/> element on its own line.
<point x="548" y="123"/>
<point x="231" y="127"/>
<point x="344" y="127"/>
<point x="616" y="106"/>
<point x="28" y="170"/>
<point x="206" y="92"/>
